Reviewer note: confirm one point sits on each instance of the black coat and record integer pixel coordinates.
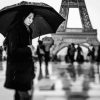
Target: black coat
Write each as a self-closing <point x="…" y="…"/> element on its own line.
<point x="20" y="66"/>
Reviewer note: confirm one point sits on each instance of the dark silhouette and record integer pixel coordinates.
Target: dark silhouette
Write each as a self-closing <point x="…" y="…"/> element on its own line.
<point x="54" y="58"/>
<point x="47" y="59"/>
<point x="40" y="52"/>
<point x="67" y="56"/>
<point x="79" y="57"/>
<point x="4" y="53"/>
<point x="98" y="55"/>
<point x="20" y="66"/>
<point x="71" y="52"/>
<point x="1" y="49"/>
<point x="91" y="53"/>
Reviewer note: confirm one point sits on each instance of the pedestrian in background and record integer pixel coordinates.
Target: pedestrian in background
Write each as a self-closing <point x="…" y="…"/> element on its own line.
<point x="71" y="52"/>
<point x="79" y="57"/>
<point x="91" y="53"/>
<point x="98" y="54"/>
<point x="47" y="60"/>
<point x="40" y="52"/>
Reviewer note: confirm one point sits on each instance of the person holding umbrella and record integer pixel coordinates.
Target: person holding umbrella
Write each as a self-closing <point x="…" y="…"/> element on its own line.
<point x="20" y="65"/>
<point x="19" y="38"/>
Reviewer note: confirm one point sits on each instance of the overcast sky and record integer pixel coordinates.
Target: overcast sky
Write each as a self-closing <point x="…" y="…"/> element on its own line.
<point x="93" y="7"/>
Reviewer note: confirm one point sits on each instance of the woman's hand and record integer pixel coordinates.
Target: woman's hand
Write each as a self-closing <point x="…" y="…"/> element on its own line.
<point x="32" y="49"/>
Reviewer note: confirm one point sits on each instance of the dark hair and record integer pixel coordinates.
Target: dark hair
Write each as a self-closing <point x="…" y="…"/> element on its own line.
<point x="19" y="18"/>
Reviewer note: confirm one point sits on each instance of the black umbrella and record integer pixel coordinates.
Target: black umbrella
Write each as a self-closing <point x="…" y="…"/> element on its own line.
<point x="48" y="15"/>
<point x="40" y="27"/>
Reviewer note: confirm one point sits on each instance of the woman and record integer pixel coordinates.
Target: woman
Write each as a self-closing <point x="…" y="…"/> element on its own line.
<point x="20" y="66"/>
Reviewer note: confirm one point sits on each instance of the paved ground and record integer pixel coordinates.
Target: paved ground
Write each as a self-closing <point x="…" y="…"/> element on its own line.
<point x="61" y="85"/>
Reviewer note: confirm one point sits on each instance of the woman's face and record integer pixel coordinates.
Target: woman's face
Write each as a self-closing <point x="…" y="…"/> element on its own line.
<point x="29" y="19"/>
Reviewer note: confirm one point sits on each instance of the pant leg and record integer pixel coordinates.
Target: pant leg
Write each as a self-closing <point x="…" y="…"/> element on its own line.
<point x="16" y="96"/>
<point x="22" y="95"/>
<point x="40" y="69"/>
<point x="27" y="95"/>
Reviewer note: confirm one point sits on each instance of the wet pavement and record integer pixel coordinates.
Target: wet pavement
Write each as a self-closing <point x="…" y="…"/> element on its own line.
<point x="66" y="82"/>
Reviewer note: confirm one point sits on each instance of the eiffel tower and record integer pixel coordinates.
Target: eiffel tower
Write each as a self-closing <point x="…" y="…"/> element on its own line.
<point x="65" y="36"/>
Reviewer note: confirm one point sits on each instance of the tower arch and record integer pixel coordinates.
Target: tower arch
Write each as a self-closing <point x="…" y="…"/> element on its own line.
<point x="64" y="35"/>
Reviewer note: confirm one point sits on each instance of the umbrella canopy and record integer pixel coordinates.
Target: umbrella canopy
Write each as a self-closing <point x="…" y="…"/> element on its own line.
<point x="48" y="15"/>
<point x="40" y="27"/>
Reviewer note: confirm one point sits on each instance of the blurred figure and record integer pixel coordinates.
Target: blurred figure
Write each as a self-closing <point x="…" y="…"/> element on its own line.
<point x="1" y="49"/>
<point x="71" y="52"/>
<point x="4" y="52"/>
<point x="40" y="52"/>
<point x="98" y="55"/>
<point x="67" y="56"/>
<point x="47" y="43"/>
<point x="79" y="57"/>
<point x="55" y="58"/>
<point x="47" y="59"/>
<point x="91" y="53"/>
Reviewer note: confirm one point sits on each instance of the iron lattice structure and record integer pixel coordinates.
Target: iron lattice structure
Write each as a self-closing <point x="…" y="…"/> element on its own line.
<point x="80" y="4"/>
<point x="64" y="35"/>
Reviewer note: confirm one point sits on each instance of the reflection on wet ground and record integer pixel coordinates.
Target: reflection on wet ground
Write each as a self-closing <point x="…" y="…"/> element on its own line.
<point x="66" y="82"/>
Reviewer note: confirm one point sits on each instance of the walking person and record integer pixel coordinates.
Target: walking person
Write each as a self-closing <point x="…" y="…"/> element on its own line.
<point x="91" y="53"/>
<point x="47" y="60"/>
<point x="20" y="66"/>
<point x="79" y="57"/>
<point x="71" y="52"/>
<point x="68" y="55"/>
<point x="40" y="52"/>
